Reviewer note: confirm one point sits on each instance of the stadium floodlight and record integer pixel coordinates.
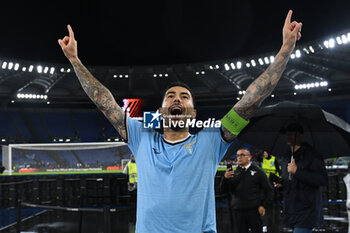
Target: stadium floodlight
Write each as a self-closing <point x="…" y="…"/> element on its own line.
<point x="296" y="87"/>
<point x="326" y="43"/>
<point x="24" y="69"/>
<point x="297" y="53"/>
<point x="247" y="65"/>
<point x="240" y="93"/>
<point x="232" y="65"/>
<point x="311" y="49"/>
<point x="211" y="67"/>
<point x="10" y="66"/>
<point x="166" y="75"/>
<point x="260" y="60"/>
<point x="62" y="70"/>
<point x="317" y="84"/>
<point x="120" y="76"/>
<point x="68" y="70"/>
<point x="3" y="140"/>
<point x="238" y="98"/>
<point x="202" y="72"/>
<point x="272" y="95"/>
<point x="266" y="60"/>
<point x="306" y="51"/>
<point x="272" y="59"/>
<point x="114" y="76"/>
<point x="329" y="89"/>
<point x="197" y="73"/>
<point x="344" y="39"/>
<point x="253" y="62"/>
<point x="227" y="67"/>
<point x="45" y="97"/>
<point x="339" y="40"/>
<point x="48" y="102"/>
<point x="154" y="75"/>
<point x="331" y="43"/>
<point x="292" y="56"/>
<point x="52" y="70"/>
<point x="39" y="69"/>
<point x="126" y="76"/>
<point x="16" y="66"/>
<point x="294" y="93"/>
<point x="217" y="66"/>
<point x="160" y="75"/>
<point x="239" y="65"/>
<point x="4" y="64"/>
<point x="12" y="101"/>
<point x="46" y="69"/>
<point x="31" y="67"/>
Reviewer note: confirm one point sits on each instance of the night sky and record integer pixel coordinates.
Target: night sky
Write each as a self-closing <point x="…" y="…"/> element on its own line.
<point x="160" y="32"/>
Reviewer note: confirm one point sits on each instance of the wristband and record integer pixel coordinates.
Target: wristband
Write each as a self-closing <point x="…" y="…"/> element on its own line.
<point x="233" y="122"/>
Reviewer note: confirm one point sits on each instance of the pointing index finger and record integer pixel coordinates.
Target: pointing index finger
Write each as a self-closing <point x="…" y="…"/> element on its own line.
<point x="288" y="18"/>
<point x="71" y="33"/>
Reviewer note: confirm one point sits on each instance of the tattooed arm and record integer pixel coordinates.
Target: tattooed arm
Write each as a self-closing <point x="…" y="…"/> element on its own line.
<point x="267" y="81"/>
<point x="98" y="93"/>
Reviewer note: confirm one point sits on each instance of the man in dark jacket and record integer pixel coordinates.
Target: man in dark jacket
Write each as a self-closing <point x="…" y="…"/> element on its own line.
<point x="302" y="189"/>
<point x="251" y="193"/>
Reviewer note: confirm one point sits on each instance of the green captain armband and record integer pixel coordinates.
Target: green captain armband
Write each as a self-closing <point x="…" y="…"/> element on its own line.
<point x="233" y="122"/>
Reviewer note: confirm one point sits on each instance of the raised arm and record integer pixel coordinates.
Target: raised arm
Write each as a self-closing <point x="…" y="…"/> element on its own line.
<point x="267" y="81"/>
<point x="98" y="93"/>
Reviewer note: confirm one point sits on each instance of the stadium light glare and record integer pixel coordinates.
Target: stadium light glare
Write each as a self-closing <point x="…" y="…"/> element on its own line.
<point x="273" y="96"/>
<point x="331" y="43"/>
<point x="260" y="61"/>
<point x="31" y="67"/>
<point x="292" y="56"/>
<point x="238" y="98"/>
<point x="311" y="49"/>
<point x="272" y="59"/>
<point x="62" y="70"/>
<point x="217" y="66"/>
<point x="48" y="102"/>
<point x="233" y="66"/>
<point x="294" y="93"/>
<point x="4" y="64"/>
<point x="326" y="43"/>
<point x="339" y="41"/>
<point x="155" y="75"/>
<point x="12" y="101"/>
<point x="227" y="67"/>
<point x="344" y="39"/>
<point x="211" y="67"/>
<point x="46" y="69"/>
<point x="239" y="65"/>
<point x="247" y="65"/>
<point x="52" y="70"/>
<point x="202" y="72"/>
<point x="197" y="73"/>
<point x="297" y="53"/>
<point x="329" y="89"/>
<point x="39" y="69"/>
<point x="266" y="60"/>
<point x="253" y="62"/>
<point x="10" y="66"/>
<point x="16" y="66"/>
<point x="126" y="76"/>
<point x="166" y="75"/>
<point x="24" y="69"/>
<point x="68" y="70"/>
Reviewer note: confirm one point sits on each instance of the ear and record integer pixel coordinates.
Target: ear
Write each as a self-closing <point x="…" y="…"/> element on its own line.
<point x="194" y="113"/>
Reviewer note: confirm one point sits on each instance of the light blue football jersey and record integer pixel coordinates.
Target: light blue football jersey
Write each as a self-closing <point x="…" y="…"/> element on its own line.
<point x="175" y="190"/>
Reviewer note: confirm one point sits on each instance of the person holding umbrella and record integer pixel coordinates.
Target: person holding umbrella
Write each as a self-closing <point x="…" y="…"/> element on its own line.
<point x="303" y="178"/>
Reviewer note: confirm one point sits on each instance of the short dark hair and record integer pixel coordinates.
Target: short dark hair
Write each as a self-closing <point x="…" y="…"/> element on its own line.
<point x="178" y="84"/>
<point x="244" y="148"/>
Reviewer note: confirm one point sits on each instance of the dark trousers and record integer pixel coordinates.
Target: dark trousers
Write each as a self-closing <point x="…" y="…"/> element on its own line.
<point x="245" y="219"/>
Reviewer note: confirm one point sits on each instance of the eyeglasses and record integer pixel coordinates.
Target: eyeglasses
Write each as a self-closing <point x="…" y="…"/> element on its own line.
<point x="239" y="155"/>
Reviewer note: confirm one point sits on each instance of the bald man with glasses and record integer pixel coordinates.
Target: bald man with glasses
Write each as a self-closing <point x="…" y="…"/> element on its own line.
<point x="250" y="193"/>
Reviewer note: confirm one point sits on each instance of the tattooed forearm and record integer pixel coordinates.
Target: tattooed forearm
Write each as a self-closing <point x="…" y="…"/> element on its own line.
<point x="101" y="96"/>
<point x="259" y="90"/>
<point x="262" y="86"/>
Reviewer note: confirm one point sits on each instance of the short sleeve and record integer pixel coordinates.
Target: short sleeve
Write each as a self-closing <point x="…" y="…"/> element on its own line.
<point x="134" y="132"/>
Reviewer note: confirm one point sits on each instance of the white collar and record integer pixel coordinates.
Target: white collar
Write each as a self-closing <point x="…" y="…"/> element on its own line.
<point x="246" y="167"/>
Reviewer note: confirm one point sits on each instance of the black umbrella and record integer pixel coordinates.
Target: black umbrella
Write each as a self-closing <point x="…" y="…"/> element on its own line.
<point x="325" y="132"/>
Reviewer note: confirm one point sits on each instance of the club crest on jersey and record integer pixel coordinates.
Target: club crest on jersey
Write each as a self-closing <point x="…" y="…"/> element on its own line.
<point x="189" y="147"/>
<point x="252" y="173"/>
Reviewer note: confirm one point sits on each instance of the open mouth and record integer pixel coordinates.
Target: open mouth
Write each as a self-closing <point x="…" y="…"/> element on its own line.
<point x="176" y="110"/>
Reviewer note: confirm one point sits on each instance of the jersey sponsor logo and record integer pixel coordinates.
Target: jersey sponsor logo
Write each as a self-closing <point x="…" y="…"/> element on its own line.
<point x="189" y="147"/>
<point x="151" y="120"/>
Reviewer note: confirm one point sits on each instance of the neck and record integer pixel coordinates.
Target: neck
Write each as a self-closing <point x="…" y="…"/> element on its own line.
<point x="172" y="135"/>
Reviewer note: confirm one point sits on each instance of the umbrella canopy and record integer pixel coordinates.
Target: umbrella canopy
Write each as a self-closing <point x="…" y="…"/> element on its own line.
<point x="327" y="133"/>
